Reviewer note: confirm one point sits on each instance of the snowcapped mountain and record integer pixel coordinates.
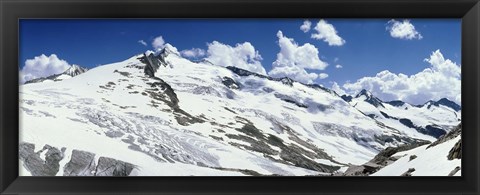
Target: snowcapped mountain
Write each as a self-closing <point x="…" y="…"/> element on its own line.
<point x="73" y="71"/>
<point x="161" y="114"/>
<point x="428" y="121"/>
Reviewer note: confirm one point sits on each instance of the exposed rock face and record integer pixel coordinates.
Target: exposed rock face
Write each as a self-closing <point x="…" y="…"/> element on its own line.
<point x="454" y="171"/>
<point x="81" y="163"/>
<point x="230" y="83"/>
<point x="396" y="103"/>
<point x="448" y="103"/>
<point x="452" y="134"/>
<point x="38" y="166"/>
<point x="347" y="98"/>
<point x="370" y="98"/>
<point x="381" y="160"/>
<point x="408" y="172"/>
<point x="456" y="151"/>
<point x="112" y="167"/>
<point x="445" y="102"/>
<point x="428" y="130"/>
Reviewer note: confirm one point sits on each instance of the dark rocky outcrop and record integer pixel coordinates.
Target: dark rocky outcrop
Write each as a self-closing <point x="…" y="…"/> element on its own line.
<point x="396" y="103"/>
<point x="444" y="101"/>
<point x="450" y="135"/>
<point x="230" y="83"/>
<point x="432" y="130"/>
<point x="370" y="98"/>
<point x="153" y="62"/>
<point x="456" y="151"/>
<point x="111" y="167"/>
<point x="412" y="157"/>
<point x="347" y="98"/>
<point x="244" y="73"/>
<point x="454" y="171"/>
<point x="289" y="153"/>
<point x="382" y="159"/>
<point x="38" y="166"/>
<point x="290" y="100"/>
<point x="81" y="163"/>
<point x="408" y="172"/>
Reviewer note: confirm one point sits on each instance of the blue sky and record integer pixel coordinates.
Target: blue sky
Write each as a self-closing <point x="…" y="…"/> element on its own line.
<point x="369" y="46"/>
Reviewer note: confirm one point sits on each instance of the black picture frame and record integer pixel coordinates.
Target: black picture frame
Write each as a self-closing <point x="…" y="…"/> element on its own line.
<point x="12" y="10"/>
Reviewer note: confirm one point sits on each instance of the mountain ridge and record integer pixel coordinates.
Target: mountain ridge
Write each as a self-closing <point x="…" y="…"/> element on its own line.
<point x="72" y="71"/>
<point x="202" y="117"/>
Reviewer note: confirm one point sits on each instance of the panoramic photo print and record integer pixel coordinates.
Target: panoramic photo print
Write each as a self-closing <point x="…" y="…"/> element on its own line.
<point x="240" y="97"/>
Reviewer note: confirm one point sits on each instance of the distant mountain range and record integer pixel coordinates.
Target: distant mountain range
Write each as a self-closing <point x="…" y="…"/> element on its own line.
<point x="74" y="70"/>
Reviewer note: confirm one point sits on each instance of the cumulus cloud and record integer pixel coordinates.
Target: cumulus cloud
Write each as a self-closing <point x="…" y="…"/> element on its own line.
<point x="294" y="72"/>
<point x="327" y="33"/>
<point x="338" y="89"/>
<point x="292" y="60"/>
<point x="42" y="66"/>
<point x="403" y="30"/>
<point x="306" y="26"/>
<point x="142" y="42"/>
<point x="158" y="43"/>
<point x="242" y="56"/>
<point x="440" y="80"/>
<point x="193" y="53"/>
<point x="322" y="75"/>
<point x="338" y="66"/>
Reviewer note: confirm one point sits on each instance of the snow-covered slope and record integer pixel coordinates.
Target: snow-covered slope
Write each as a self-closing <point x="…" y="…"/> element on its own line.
<point x="441" y="158"/>
<point x="170" y="116"/>
<point x="73" y="71"/>
<point x="428" y="121"/>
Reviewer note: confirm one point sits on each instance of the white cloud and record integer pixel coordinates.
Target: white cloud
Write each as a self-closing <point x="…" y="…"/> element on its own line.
<point x="142" y="42"/>
<point x="336" y="59"/>
<point x="440" y="80"/>
<point x="322" y="75"/>
<point x="42" y="66"/>
<point x="338" y="66"/>
<point x="242" y="56"/>
<point x="292" y="60"/>
<point x="158" y="43"/>
<point x="294" y="72"/>
<point x="327" y="33"/>
<point x="306" y="26"/>
<point x="338" y="89"/>
<point x="193" y="53"/>
<point x="403" y="30"/>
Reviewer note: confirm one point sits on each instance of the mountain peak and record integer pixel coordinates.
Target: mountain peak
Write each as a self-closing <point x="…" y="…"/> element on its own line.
<point x="74" y="70"/>
<point x="169" y="49"/>
<point x="446" y="102"/>
<point x="370" y="98"/>
<point x="364" y="92"/>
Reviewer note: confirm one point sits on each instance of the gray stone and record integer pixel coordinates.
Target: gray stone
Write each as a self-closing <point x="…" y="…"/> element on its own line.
<point x="456" y="151"/>
<point x="36" y="165"/>
<point x="408" y="172"/>
<point x="81" y="164"/>
<point x="111" y="167"/>
<point x="454" y="171"/>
